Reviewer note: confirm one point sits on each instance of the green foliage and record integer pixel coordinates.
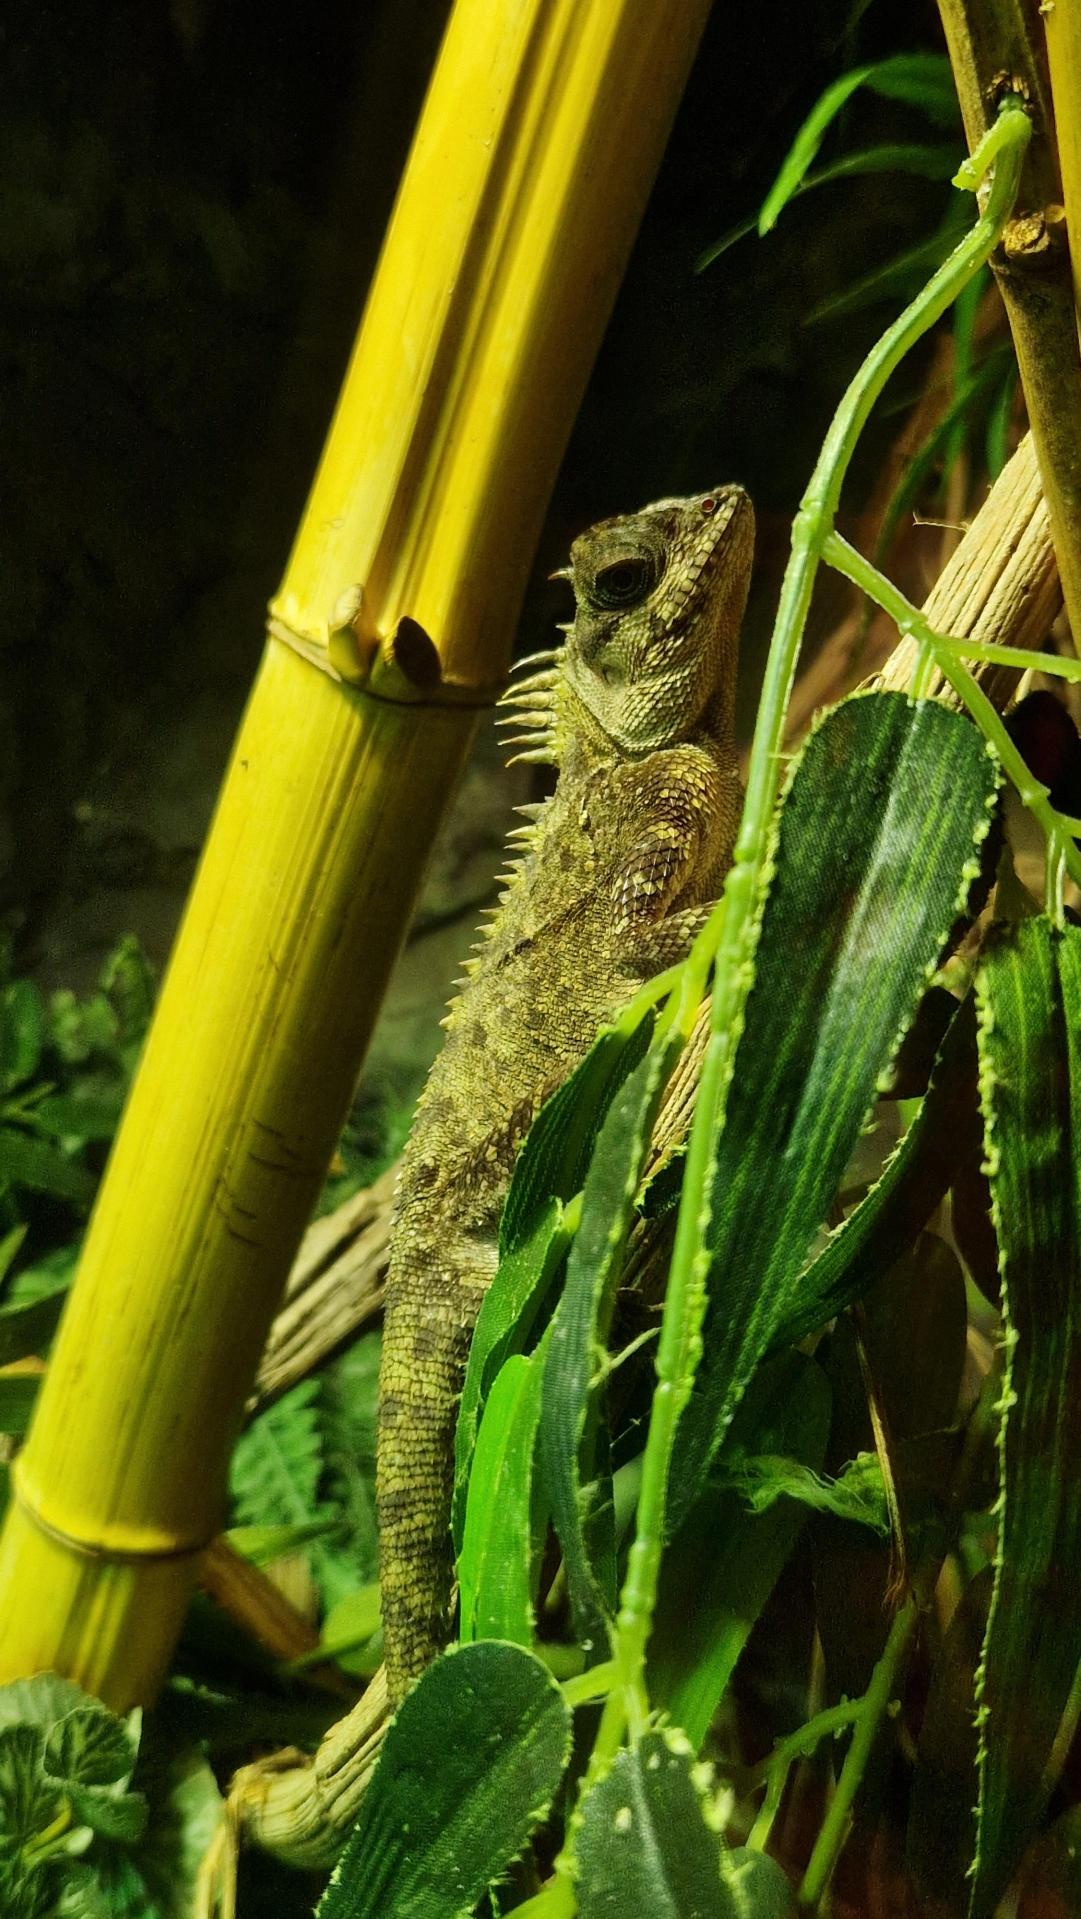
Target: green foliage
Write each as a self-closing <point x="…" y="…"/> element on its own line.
<point x="469" y="1768"/>
<point x="74" y="1827"/>
<point x="65" y="1065"/>
<point x="644" y="1842"/>
<point x="882" y="860"/>
<point x="1029" y="992"/>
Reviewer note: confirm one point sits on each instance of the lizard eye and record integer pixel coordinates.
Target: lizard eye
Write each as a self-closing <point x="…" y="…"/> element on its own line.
<point x="625" y="581"/>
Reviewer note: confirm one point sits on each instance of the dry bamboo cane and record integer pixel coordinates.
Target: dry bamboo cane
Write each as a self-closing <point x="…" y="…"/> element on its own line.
<point x="540" y="135"/>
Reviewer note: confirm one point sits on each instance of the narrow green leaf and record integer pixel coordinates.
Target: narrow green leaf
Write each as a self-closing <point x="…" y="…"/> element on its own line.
<point x="571" y="1408"/>
<point x="22" y="1032"/>
<point x="897" y="277"/>
<point x="806" y="144"/>
<point x="469" y="1767"/>
<point x="556" y="1153"/>
<point x="1029" y="996"/>
<point x="495" y="1566"/>
<point x="517" y="1295"/>
<point x="936" y="162"/>
<point x="878" y="844"/>
<point x="922" y="80"/>
<point x="643" y="1844"/>
<point x="729" y="1557"/>
<point x="43" y="1168"/>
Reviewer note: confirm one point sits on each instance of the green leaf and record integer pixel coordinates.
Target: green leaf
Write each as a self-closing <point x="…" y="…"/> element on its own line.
<point x="937" y="162"/>
<point x="40" y="1166"/>
<point x="81" y="1114"/>
<point x="571" y="1425"/>
<point x="913" y="1181"/>
<point x="729" y="1557"/>
<point x="758" y="1885"/>
<point x="556" y="1154"/>
<point x="922" y="80"/>
<point x="89" y="1746"/>
<point x="495" y="1567"/>
<point x="26" y="1330"/>
<point x="275" y="1475"/>
<point x="469" y="1767"/>
<point x="897" y="278"/>
<point x="29" y="1802"/>
<point x="805" y="146"/>
<point x="18" y="1394"/>
<point x="643" y="1844"/>
<point x="128" y="982"/>
<point x="877" y="847"/>
<point x="22" y="1032"/>
<point x="186" y="1811"/>
<point x="942" y="1819"/>
<point x="509" y="1311"/>
<point x="1029" y="996"/>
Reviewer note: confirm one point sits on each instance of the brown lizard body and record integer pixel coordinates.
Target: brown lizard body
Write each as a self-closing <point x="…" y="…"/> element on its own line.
<point x="614" y="874"/>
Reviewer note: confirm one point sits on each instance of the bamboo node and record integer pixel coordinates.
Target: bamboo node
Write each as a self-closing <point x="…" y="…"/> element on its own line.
<point x="106" y="1549"/>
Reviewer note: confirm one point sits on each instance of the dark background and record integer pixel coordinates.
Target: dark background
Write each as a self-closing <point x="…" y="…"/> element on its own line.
<point x="191" y="202"/>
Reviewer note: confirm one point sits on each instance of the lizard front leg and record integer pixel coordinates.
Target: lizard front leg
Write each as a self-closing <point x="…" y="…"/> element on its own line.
<point x="666" y="887"/>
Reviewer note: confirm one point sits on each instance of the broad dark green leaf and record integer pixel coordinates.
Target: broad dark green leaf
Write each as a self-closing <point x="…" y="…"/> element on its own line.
<point x="913" y="1181"/>
<point x="509" y="1311"/>
<point x="469" y="1767"/>
<point x="878" y="844"/>
<point x="729" y="1557"/>
<point x="1029" y="995"/>
<point x="643" y="1845"/>
<point x="495" y="1566"/>
<point x="571" y="1408"/>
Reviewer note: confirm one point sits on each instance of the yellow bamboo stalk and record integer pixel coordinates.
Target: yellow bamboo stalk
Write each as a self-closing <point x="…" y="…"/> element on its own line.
<point x="1062" y="27"/>
<point x="539" y="138"/>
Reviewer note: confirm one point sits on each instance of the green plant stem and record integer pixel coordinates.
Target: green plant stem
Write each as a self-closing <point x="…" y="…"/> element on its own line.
<point x="1021" y="656"/>
<point x="873" y="1706"/>
<point x="800" y="1744"/>
<point x="910" y="620"/>
<point x="729" y="934"/>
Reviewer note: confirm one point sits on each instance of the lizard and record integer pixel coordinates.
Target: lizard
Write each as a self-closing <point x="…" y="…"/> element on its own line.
<point x="611" y="877"/>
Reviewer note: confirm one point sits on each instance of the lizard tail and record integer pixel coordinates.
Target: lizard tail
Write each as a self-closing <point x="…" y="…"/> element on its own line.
<point x="425" y="1343"/>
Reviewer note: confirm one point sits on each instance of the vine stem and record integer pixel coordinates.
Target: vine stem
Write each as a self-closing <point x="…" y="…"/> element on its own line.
<point x="873" y="1706"/>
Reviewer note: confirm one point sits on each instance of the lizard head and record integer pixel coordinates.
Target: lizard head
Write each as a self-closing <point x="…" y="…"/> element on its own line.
<point x="660" y="595"/>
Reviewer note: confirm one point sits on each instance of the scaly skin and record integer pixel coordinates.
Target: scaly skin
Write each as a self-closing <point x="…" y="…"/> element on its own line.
<point x="614" y="875"/>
